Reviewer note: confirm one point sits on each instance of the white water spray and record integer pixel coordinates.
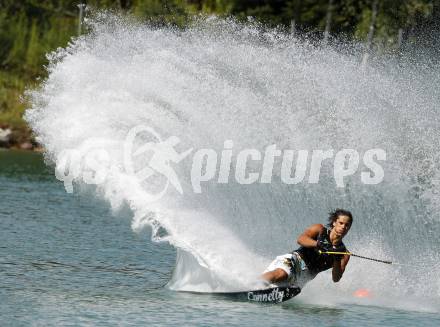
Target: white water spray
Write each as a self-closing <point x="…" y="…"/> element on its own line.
<point x="220" y="80"/>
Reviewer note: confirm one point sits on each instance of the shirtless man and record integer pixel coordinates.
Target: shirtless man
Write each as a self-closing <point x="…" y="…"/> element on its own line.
<point x="302" y="265"/>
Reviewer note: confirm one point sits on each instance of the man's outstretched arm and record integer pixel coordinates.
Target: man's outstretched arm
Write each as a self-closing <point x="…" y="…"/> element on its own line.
<point x="310" y="235"/>
<point x="339" y="268"/>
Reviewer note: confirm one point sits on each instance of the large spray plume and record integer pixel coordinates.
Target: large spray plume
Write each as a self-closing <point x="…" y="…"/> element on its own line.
<point x="221" y="80"/>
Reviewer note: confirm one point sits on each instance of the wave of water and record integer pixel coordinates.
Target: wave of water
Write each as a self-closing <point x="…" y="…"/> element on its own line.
<point x="220" y="80"/>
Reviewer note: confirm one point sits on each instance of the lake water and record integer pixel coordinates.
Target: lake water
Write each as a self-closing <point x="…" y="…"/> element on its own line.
<point x="152" y="130"/>
<point x="66" y="260"/>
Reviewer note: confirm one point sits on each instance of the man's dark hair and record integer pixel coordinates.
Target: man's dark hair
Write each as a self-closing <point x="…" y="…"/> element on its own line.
<point x="333" y="216"/>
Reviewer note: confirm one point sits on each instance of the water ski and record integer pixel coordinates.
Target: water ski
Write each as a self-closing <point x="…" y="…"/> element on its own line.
<point x="275" y="294"/>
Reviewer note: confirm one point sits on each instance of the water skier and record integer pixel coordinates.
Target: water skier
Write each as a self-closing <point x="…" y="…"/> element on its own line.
<point x="302" y="265"/>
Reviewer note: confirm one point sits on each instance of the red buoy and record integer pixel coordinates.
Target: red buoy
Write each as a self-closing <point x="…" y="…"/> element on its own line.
<point x="362" y="292"/>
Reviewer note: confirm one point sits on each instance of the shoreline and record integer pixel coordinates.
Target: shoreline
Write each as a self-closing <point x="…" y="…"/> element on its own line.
<point x="18" y="138"/>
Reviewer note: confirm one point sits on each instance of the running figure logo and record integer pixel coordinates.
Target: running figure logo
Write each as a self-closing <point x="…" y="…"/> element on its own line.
<point x="159" y="163"/>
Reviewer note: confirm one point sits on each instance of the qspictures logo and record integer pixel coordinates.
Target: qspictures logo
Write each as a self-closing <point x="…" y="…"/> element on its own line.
<point x="92" y="163"/>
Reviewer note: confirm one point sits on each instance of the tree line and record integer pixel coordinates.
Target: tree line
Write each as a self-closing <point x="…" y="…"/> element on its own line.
<point x="31" y="28"/>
